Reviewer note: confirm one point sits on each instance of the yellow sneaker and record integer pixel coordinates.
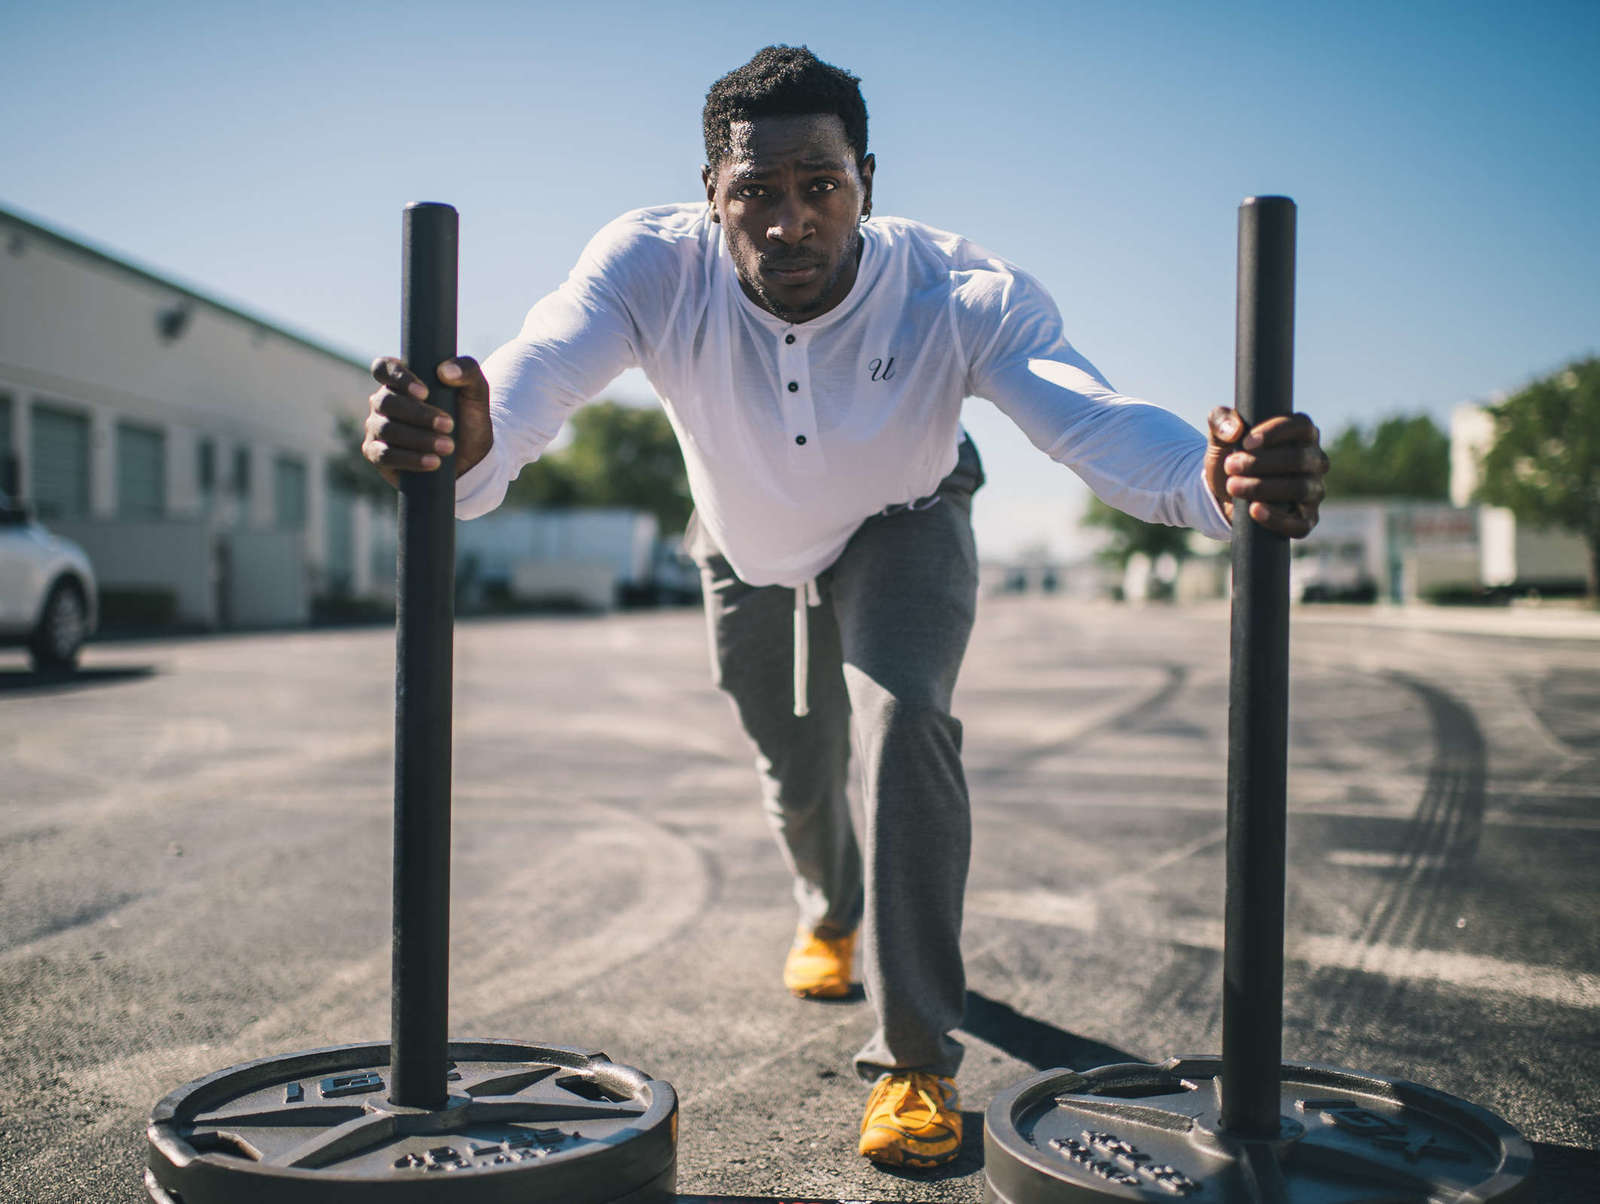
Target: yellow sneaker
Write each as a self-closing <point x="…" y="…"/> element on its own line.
<point x="819" y="967"/>
<point x="912" y="1120"/>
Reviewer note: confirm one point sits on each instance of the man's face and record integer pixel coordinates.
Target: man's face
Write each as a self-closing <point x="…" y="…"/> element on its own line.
<point x="789" y="197"/>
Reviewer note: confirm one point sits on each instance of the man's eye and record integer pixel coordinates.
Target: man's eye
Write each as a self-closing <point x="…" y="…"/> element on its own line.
<point x="750" y="192"/>
<point x="823" y="185"/>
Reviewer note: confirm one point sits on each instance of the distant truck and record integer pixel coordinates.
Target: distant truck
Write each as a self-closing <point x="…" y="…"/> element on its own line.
<point x="1331" y="572"/>
<point x="588" y="559"/>
<point x="1342" y="559"/>
<point x="1518" y="558"/>
<point x="1399" y="550"/>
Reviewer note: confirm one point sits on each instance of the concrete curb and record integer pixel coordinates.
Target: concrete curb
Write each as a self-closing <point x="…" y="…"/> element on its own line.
<point x="1517" y="622"/>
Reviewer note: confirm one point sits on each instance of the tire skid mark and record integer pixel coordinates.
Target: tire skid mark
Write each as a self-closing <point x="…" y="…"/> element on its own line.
<point x="83" y="916"/>
<point x="1435" y="858"/>
<point x="291" y="761"/>
<point x="489" y="973"/>
<point x="1143" y="707"/>
<point x="22" y="838"/>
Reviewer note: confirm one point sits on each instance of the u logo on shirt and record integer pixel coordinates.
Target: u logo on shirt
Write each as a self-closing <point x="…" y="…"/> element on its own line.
<point x="882" y="369"/>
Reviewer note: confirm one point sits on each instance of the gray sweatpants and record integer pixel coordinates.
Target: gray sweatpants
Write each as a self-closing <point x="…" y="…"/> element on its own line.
<point x="886" y="643"/>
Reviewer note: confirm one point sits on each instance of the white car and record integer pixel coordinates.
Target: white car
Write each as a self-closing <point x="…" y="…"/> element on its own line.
<point x="48" y="599"/>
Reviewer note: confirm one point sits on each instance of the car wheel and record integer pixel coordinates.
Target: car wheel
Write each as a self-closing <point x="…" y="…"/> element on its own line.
<point x="62" y="628"/>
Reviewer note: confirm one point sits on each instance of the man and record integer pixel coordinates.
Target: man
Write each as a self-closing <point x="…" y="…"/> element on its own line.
<point x="813" y="361"/>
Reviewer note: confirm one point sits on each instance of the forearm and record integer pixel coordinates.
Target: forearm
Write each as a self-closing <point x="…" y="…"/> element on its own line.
<point x="1137" y="457"/>
<point x="568" y="350"/>
<point x="526" y="410"/>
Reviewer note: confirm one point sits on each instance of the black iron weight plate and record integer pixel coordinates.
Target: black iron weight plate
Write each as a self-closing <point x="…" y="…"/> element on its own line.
<point x="525" y="1123"/>
<point x="1151" y="1132"/>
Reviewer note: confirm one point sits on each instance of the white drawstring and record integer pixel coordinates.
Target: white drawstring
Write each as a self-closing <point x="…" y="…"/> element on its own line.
<point x="805" y="596"/>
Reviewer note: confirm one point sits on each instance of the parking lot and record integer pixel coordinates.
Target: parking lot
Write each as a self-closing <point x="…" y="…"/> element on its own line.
<point x="194" y="872"/>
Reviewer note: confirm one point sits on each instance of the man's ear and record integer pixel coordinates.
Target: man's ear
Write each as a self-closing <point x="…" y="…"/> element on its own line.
<point x="709" y="179"/>
<point x="869" y="164"/>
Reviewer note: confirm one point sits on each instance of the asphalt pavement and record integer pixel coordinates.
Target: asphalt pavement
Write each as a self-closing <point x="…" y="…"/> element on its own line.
<point x="194" y="872"/>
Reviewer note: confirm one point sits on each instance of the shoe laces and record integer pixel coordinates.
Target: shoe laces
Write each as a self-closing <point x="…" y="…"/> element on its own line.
<point x="900" y="1088"/>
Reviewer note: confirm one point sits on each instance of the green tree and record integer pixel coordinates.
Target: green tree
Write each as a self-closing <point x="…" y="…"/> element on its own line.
<point x="619" y="455"/>
<point x="1402" y="457"/>
<point x="1544" y="464"/>
<point x="1130" y="535"/>
<point x="546" y="484"/>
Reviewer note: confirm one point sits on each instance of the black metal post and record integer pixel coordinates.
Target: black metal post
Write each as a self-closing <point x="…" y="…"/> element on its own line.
<point x="425" y="613"/>
<point x="1258" y="696"/>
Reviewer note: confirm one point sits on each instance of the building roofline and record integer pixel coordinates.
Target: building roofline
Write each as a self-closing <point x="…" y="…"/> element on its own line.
<point x="82" y="247"/>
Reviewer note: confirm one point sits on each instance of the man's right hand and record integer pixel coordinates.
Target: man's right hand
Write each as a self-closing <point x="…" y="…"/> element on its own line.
<point x="406" y="434"/>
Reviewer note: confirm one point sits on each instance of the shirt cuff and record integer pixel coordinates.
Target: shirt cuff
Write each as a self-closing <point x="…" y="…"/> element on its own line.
<point x="482" y="487"/>
<point x="1213" y="522"/>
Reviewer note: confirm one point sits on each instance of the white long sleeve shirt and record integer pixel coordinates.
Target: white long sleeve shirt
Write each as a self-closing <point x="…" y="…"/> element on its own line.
<point x="794" y="433"/>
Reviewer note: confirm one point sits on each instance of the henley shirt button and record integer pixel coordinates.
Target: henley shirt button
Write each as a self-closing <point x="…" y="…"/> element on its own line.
<point x="788" y="338"/>
<point x="794" y="386"/>
<point x="800" y="440"/>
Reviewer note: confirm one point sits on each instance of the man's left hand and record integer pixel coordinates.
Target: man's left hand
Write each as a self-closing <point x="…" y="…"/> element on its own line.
<point x="1276" y="468"/>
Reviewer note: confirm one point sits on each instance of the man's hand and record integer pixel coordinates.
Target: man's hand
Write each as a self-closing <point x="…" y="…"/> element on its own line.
<point x="1277" y="468"/>
<point x="406" y="434"/>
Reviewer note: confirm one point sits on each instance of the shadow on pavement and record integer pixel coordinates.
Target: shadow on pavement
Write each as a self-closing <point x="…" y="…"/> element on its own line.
<point x="1042" y="1046"/>
<point x="1565" y="1174"/>
<point x="16" y="681"/>
<point x="771" y="1200"/>
<point x="856" y="994"/>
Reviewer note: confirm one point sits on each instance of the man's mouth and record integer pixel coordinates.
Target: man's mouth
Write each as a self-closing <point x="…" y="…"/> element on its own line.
<point x="792" y="272"/>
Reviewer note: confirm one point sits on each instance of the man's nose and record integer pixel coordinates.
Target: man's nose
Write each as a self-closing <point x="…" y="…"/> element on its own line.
<point x="791" y="221"/>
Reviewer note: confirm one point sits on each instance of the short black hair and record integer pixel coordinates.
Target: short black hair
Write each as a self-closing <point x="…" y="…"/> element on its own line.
<point x="783" y="81"/>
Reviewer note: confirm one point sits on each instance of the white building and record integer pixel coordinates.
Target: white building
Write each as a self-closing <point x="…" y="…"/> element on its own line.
<point x="1513" y="554"/>
<point x="183" y="442"/>
<point x="1404" y="550"/>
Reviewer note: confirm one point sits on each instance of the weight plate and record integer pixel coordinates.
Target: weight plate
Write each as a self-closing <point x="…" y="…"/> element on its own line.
<point x="525" y="1123"/>
<point x="1138" y="1132"/>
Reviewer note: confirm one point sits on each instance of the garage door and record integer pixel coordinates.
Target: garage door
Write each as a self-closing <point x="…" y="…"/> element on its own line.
<point x="141" y="471"/>
<point x="289" y="493"/>
<point x="60" y="462"/>
<point x="339" y="512"/>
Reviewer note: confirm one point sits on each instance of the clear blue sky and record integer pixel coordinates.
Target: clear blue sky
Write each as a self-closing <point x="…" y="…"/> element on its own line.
<point x="1444" y="157"/>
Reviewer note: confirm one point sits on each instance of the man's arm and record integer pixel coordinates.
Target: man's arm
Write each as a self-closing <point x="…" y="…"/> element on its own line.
<point x="571" y="345"/>
<point x="1137" y="457"/>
